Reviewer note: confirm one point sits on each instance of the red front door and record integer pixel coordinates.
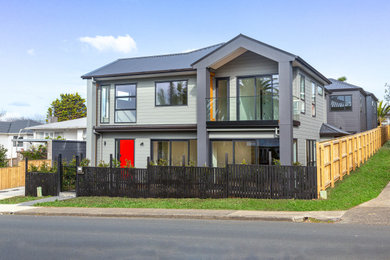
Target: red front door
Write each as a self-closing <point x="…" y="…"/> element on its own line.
<point x="126" y="151"/>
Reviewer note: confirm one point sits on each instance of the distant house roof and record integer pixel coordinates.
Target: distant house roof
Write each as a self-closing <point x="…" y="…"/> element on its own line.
<point x="328" y="130"/>
<point x="14" y="127"/>
<point x="148" y="64"/>
<point x="341" y="85"/>
<point x="69" y="124"/>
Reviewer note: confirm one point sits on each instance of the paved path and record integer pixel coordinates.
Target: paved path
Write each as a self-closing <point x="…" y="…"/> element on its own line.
<point x="30" y="237"/>
<point x="375" y="211"/>
<point x="9" y="193"/>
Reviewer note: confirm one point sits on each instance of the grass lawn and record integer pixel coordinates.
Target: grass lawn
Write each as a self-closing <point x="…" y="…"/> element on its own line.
<point x="19" y="199"/>
<point x="362" y="185"/>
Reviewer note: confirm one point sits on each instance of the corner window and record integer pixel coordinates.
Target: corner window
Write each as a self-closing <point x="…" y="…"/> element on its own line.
<point x="302" y="93"/>
<point x="125" y="103"/>
<point x="313" y="99"/>
<point x="171" y="93"/>
<point x="105" y="104"/>
<point x="341" y="103"/>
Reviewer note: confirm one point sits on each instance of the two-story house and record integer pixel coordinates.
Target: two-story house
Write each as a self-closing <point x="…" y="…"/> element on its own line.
<point x="350" y="107"/>
<point x="243" y="98"/>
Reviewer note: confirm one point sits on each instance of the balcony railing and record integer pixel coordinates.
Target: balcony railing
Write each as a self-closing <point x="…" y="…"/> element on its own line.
<point x="244" y="108"/>
<point x="247" y="108"/>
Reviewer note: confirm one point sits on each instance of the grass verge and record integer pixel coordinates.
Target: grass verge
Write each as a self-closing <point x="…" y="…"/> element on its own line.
<point x="19" y="199"/>
<point x="360" y="186"/>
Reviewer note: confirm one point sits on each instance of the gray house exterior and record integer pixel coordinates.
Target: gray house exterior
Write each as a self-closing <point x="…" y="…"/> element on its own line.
<point x="350" y="107"/>
<point x="242" y="98"/>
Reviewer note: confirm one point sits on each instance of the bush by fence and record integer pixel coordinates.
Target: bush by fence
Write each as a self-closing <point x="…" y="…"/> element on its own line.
<point x="241" y="181"/>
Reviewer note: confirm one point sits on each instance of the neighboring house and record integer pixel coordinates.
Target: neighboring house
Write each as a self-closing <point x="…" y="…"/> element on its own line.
<point x="351" y="108"/>
<point x="68" y="130"/>
<point x="15" y="130"/>
<point x="387" y="119"/>
<point x="243" y="97"/>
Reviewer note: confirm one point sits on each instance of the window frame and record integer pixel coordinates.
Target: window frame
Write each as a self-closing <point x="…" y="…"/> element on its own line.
<point x="295" y="140"/>
<point x="313" y="99"/>
<point x="303" y="100"/>
<point x="311" y="152"/>
<point x="318" y="90"/>
<point x="152" y="159"/>
<point x="344" y="110"/>
<point x="116" y="97"/>
<point x="108" y="102"/>
<point x="170" y="97"/>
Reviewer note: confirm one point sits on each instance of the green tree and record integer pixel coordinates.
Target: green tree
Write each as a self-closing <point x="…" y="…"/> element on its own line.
<point x="343" y="78"/>
<point x="383" y="110"/>
<point x="67" y="107"/>
<point x="3" y="156"/>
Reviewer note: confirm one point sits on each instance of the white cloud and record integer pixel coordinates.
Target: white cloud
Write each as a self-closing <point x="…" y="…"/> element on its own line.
<point x="10" y="115"/>
<point x="31" y="52"/>
<point x="124" y="44"/>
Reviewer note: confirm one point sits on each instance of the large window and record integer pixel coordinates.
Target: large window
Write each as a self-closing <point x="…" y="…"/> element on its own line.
<point x="172" y="152"/>
<point x="105" y="104"/>
<point x="341" y="103"/>
<point x="310" y="152"/>
<point x="17" y="144"/>
<point x="302" y="89"/>
<point x="258" y="151"/>
<point x="125" y="103"/>
<point x="313" y="99"/>
<point x="171" y="93"/>
<point x="258" y="98"/>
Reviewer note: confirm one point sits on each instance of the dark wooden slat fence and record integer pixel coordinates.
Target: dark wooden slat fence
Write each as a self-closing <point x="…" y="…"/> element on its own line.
<point x="240" y="181"/>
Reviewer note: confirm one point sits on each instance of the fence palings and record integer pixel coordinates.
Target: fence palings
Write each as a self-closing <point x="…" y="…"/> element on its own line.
<point x="338" y="157"/>
<point x="244" y="181"/>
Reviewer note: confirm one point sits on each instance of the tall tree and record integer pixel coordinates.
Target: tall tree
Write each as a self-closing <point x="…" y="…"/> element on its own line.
<point x="343" y="78"/>
<point x="387" y="92"/>
<point x="67" y="107"/>
<point x="383" y="110"/>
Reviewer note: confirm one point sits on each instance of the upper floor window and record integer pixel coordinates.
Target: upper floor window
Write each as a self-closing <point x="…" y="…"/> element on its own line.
<point x="302" y="89"/>
<point x="125" y="103"/>
<point x="171" y="93"/>
<point x="313" y="99"/>
<point x="320" y="90"/>
<point x="105" y="104"/>
<point x="341" y="103"/>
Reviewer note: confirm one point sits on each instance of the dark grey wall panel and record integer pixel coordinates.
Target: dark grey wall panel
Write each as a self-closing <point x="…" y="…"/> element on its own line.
<point x="68" y="149"/>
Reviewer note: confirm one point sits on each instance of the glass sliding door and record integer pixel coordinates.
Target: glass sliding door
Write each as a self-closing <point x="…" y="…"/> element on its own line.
<point x="246" y="99"/>
<point x="161" y="152"/>
<point x="222" y="98"/>
<point x="264" y="96"/>
<point x="245" y="152"/>
<point x="179" y="149"/>
<point x="219" y="149"/>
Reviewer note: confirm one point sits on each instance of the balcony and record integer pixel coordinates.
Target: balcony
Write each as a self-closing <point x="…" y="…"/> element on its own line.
<point x="260" y="109"/>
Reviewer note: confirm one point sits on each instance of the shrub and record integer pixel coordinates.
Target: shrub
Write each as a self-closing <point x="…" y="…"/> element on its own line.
<point x="3" y="156"/>
<point x="35" y="153"/>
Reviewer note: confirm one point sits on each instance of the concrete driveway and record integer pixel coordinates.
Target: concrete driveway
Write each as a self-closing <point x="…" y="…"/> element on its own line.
<point x="9" y="193"/>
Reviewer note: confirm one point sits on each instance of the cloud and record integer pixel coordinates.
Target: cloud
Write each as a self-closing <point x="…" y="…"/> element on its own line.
<point x="189" y="50"/>
<point x="10" y="115"/>
<point x="19" y="104"/>
<point x="124" y="44"/>
<point x="31" y="52"/>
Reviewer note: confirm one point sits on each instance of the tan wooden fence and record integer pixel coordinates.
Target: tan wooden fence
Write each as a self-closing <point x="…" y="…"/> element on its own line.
<point x="338" y="157"/>
<point x="11" y="177"/>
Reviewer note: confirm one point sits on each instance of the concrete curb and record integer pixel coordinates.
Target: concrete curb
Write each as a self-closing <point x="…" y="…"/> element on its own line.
<point x="184" y="214"/>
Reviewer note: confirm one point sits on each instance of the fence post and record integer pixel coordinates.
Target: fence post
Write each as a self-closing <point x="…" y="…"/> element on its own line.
<point x="319" y="159"/>
<point x="348" y="150"/>
<point x="331" y="166"/>
<point x="227" y="174"/>
<point x="184" y="161"/>
<point x="148" y="174"/>
<point x="26" y="177"/>
<point x="77" y="176"/>
<point x="59" y="170"/>
<point x="110" y="160"/>
<point x="341" y="159"/>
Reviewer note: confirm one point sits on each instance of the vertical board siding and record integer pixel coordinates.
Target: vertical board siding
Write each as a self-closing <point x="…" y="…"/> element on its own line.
<point x="238" y="181"/>
<point x="338" y="157"/>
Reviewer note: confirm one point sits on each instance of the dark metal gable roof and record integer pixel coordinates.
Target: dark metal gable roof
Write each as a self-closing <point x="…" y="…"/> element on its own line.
<point x="344" y="86"/>
<point x="15" y="126"/>
<point x="331" y="131"/>
<point x="150" y="64"/>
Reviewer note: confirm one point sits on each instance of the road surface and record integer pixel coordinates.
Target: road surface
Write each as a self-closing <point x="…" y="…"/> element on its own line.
<point x="38" y="237"/>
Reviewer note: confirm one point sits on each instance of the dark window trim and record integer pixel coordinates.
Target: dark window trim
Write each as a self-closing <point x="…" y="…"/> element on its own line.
<point x="170" y="148"/>
<point x="318" y="90"/>
<point x="238" y="94"/>
<point x="116" y="97"/>
<point x="304" y="92"/>
<point x="233" y="147"/>
<point x="345" y="110"/>
<point x="108" y="97"/>
<point x="170" y="105"/>
<point x="296" y="149"/>
<point x="310" y="152"/>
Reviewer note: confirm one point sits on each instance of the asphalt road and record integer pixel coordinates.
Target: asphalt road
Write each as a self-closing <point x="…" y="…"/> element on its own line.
<point x="32" y="237"/>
